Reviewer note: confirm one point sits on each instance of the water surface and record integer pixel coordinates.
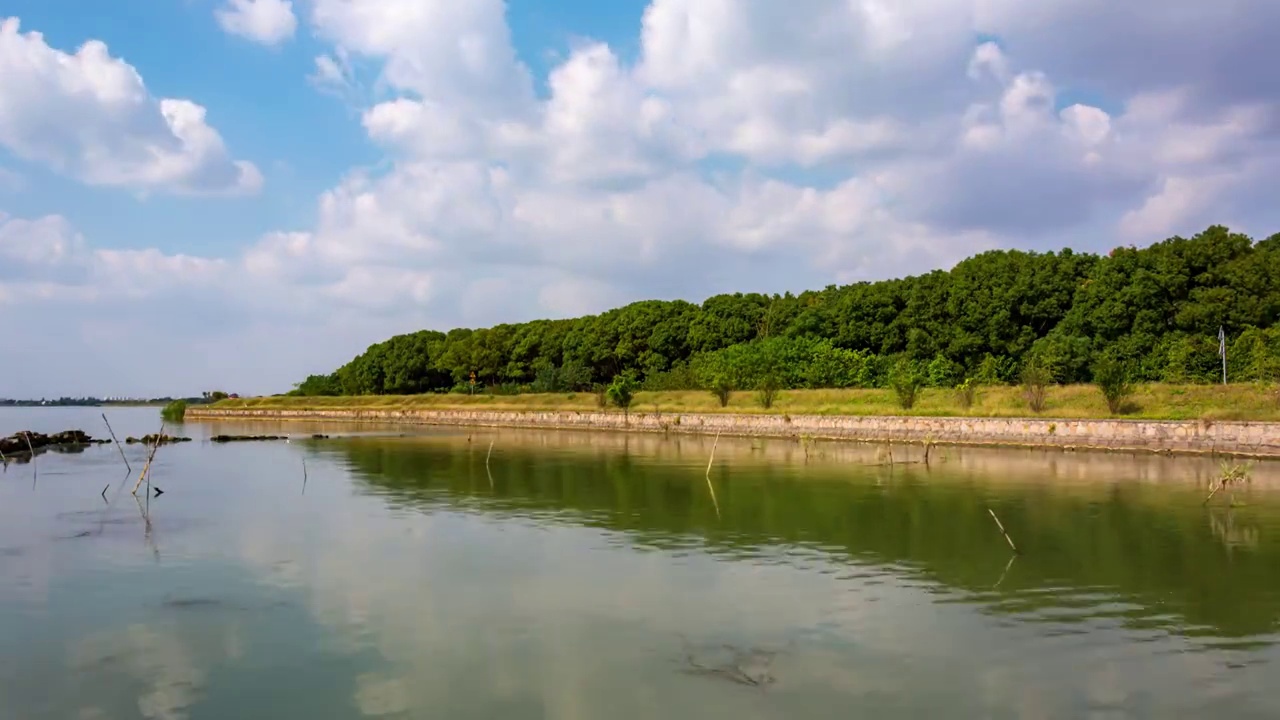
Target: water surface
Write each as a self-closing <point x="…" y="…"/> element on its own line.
<point x="579" y="575"/>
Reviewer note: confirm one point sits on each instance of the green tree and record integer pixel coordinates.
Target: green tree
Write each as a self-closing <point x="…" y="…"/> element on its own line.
<point x="1155" y="309"/>
<point x="622" y="391"/>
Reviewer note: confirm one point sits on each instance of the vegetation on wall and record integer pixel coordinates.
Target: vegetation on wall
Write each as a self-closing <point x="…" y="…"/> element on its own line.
<point x="1000" y="317"/>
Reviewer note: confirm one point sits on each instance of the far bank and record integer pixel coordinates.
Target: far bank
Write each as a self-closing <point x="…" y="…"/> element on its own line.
<point x="1198" y="437"/>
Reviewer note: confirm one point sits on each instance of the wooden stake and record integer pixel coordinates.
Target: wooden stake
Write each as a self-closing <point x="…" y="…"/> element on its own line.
<point x="1212" y="492"/>
<point x="146" y="468"/>
<point x="1002" y="531"/>
<point x="486" y="464"/>
<point x="35" y="471"/>
<point x="711" y="487"/>
<point x="117" y="441"/>
<point x="1006" y="571"/>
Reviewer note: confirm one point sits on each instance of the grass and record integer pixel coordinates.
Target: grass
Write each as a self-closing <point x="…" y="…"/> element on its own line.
<point x="1150" y="402"/>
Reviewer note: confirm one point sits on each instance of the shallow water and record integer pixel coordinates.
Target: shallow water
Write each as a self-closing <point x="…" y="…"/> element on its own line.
<point x="578" y="575"/>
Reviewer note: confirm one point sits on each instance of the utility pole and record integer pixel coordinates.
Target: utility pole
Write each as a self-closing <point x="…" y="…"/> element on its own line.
<point x="1222" y="350"/>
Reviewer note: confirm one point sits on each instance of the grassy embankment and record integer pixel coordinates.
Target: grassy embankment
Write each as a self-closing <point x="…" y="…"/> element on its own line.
<point x="1150" y="402"/>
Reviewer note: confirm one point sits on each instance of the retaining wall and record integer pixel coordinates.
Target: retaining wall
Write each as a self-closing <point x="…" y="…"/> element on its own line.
<point x="1259" y="439"/>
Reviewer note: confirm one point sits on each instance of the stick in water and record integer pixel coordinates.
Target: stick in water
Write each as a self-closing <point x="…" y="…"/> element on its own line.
<point x="711" y="487"/>
<point x="304" y="476"/>
<point x="1002" y="531"/>
<point x="147" y="467"/>
<point x="486" y="464"/>
<point x="35" y="471"/>
<point x="117" y="441"/>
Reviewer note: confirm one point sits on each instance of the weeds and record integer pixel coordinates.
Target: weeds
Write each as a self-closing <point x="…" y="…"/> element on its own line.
<point x="1230" y="475"/>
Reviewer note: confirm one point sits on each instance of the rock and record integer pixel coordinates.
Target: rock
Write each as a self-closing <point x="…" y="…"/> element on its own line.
<point x="17" y="444"/>
<point x="151" y="440"/>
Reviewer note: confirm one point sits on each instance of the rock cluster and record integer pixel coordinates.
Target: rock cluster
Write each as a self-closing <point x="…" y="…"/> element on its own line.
<point x="152" y="439"/>
<point x="17" y="443"/>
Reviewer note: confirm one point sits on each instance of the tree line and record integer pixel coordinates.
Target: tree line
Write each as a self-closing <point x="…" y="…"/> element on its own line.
<point x="1135" y="315"/>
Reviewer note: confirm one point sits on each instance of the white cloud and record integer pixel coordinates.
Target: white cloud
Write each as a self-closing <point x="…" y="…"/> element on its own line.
<point x="750" y="146"/>
<point x="88" y="115"/>
<point x="269" y="22"/>
<point x="457" y="54"/>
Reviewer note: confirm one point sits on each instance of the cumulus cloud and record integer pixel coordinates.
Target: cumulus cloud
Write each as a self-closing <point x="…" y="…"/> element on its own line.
<point x="89" y="115"/>
<point x="269" y="22"/>
<point x="747" y="147"/>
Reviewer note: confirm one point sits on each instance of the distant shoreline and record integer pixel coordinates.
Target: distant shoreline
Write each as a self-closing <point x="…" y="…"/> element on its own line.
<point x="1184" y="437"/>
<point x="148" y="403"/>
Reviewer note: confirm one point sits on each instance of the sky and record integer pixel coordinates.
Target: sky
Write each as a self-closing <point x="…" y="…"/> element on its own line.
<point x="234" y="194"/>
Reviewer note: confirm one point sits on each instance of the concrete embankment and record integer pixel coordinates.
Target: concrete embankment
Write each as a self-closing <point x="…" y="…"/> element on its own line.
<point x="1257" y="439"/>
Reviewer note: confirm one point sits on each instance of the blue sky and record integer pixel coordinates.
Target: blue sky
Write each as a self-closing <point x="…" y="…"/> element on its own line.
<point x="488" y="162"/>
<point x="256" y="96"/>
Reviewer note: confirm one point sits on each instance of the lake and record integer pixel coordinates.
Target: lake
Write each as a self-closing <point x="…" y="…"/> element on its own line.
<point x="412" y="573"/>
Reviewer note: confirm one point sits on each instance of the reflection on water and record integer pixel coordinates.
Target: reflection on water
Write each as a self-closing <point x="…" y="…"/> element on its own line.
<point x="573" y="575"/>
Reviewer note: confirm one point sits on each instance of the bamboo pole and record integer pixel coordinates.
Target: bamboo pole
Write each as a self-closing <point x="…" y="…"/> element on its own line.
<point x="35" y="471"/>
<point x="712" y="488"/>
<point x="486" y="464"/>
<point x="1212" y="492"/>
<point x="1006" y="571"/>
<point x="117" y="441"/>
<point x="147" y="467"/>
<point x="1002" y="530"/>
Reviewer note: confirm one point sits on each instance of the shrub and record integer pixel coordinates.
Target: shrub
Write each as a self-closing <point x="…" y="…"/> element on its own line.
<point x="1189" y="359"/>
<point x="622" y="391"/>
<point x="1114" y="380"/>
<point x="767" y="390"/>
<point x="944" y="372"/>
<point x="679" y="377"/>
<point x="569" y="377"/>
<point x="1037" y="376"/>
<point x="966" y="393"/>
<point x="994" y="370"/>
<point x="175" y="411"/>
<point x="906" y="379"/>
<point x="722" y="389"/>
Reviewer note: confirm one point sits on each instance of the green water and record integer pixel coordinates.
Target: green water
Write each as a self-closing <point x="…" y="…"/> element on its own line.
<point x="576" y="575"/>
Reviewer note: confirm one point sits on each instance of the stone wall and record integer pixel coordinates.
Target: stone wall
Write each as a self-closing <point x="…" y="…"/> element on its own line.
<point x="1261" y="439"/>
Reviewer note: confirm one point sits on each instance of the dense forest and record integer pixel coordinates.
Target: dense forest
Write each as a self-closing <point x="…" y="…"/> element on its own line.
<point x="1154" y="312"/>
